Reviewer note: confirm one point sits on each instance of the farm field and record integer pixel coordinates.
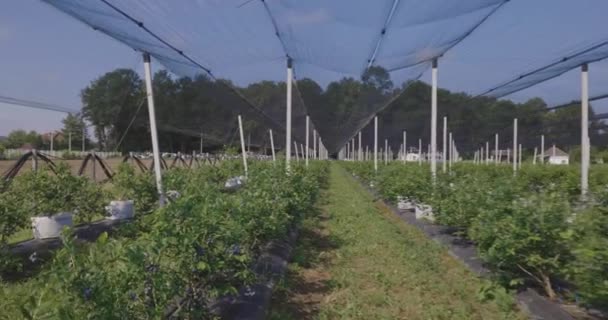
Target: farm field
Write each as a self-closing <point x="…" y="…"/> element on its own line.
<point x="530" y="229"/>
<point x="357" y="260"/>
<point x="199" y="246"/>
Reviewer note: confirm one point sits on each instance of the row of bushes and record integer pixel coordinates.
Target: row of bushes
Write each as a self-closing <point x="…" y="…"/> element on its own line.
<point x="198" y="247"/>
<point x="529" y="228"/>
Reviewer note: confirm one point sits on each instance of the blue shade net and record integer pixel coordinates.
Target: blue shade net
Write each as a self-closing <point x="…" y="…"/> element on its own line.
<point x="350" y="58"/>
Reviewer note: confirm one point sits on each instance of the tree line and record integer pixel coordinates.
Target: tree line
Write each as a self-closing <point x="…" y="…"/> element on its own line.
<point x="115" y="105"/>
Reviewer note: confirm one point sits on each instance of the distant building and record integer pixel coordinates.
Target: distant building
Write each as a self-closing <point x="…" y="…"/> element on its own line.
<point x="412" y="157"/>
<point x="556" y="155"/>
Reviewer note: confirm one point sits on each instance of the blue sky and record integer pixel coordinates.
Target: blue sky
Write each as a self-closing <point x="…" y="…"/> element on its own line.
<point x="49" y="57"/>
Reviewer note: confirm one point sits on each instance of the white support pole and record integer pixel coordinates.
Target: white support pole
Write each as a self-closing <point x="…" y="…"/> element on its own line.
<point x="295" y="149"/>
<point x="404" y="146"/>
<point x="360" y="151"/>
<point x="274" y="158"/>
<point x="499" y="156"/>
<point x="445" y="145"/>
<point x="243" y="151"/>
<point x="482" y="153"/>
<point x="434" y="120"/>
<point x="515" y="146"/>
<point x="542" y="149"/>
<point x="519" y="155"/>
<point x="376" y="143"/>
<point x="353" y="152"/>
<point x="508" y="156"/>
<point x="153" y="132"/>
<point x="451" y="158"/>
<point x="307" y="137"/>
<point x="534" y="159"/>
<point x="496" y="149"/>
<point x="288" y="116"/>
<point x="487" y="152"/>
<point x="585" y="157"/>
<point x="303" y="152"/>
<point x="385" y="151"/>
<point x="70" y="141"/>
<point x="314" y="144"/>
<point x="419" y="152"/>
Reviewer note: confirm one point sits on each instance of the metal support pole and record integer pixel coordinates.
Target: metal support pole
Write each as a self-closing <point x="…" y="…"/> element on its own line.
<point x="496" y="149"/>
<point x="451" y="159"/>
<point x="360" y="152"/>
<point x="542" y="149"/>
<point x="385" y="151"/>
<point x="201" y="147"/>
<point x="274" y="158"/>
<point x="515" y="146"/>
<point x="534" y="159"/>
<point x="295" y="149"/>
<point x="314" y="144"/>
<point x="376" y="143"/>
<point x="434" y="119"/>
<point x="487" y="152"/>
<point x="445" y="145"/>
<point x="404" y="146"/>
<point x="243" y="151"/>
<point x="307" y="137"/>
<point x="519" y="155"/>
<point x="70" y="141"/>
<point x="153" y="132"/>
<point x="585" y="157"/>
<point x="419" y="152"/>
<point x="288" y="116"/>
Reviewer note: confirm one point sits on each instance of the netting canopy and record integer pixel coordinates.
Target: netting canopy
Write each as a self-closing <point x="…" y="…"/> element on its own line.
<point x="350" y="58"/>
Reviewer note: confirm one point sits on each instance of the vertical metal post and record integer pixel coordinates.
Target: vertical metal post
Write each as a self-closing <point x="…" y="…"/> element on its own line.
<point x="585" y="157"/>
<point x="385" y="151"/>
<point x="201" y="147"/>
<point x="487" y="152"/>
<point x="434" y="120"/>
<point x="288" y="116"/>
<point x="542" y="149"/>
<point x="360" y="152"/>
<point x="451" y="159"/>
<point x="534" y="159"/>
<point x="70" y="141"/>
<point x="515" y="146"/>
<point x="404" y="146"/>
<point x="314" y="144"/>
<point x="243" y="151"/>
<point x="445" y="145"/>
<point x="295" y="149"/>
<point x="376" y="143"/>
<point x="419" y="152"/>
<point x="153" y="132"/>
<point x="307" y="137"/>
<point x="496" y="149"/>
<point x="274" y="158"/>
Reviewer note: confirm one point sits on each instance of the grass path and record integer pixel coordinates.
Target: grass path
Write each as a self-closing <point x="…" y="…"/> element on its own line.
<point x="357" y="260"/>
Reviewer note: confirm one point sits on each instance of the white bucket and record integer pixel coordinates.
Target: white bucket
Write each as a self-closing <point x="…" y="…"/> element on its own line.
<point x="51" y="227"/>
<point x="120" y="209"/>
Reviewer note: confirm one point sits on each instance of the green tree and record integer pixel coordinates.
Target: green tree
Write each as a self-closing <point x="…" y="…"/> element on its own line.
<point x="110" y="103"/>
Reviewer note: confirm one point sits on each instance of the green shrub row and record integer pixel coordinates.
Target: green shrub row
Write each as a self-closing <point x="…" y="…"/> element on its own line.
<point x="530" y="228"/>
<point x="200" y="246"/>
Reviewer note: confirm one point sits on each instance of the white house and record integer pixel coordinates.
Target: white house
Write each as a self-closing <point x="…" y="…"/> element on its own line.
<point x="411" y="157"/>
<point x="556" y="155"/>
